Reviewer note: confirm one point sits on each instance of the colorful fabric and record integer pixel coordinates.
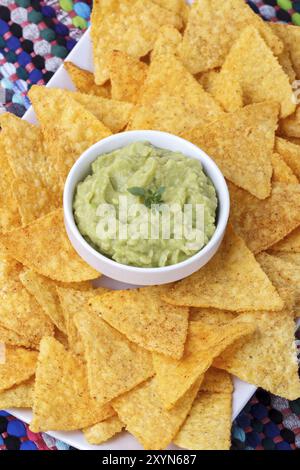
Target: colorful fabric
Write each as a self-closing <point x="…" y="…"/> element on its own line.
<point x="35" y="37"/>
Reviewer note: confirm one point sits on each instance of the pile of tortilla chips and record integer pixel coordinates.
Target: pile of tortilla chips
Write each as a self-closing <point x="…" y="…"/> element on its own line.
<point x="156" y="361"/>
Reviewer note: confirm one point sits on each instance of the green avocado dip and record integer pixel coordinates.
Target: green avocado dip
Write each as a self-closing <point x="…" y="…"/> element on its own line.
<point x="140" y="206"/>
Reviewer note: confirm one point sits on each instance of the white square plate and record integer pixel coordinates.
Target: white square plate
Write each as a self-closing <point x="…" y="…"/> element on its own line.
<point x="82" y="57"/>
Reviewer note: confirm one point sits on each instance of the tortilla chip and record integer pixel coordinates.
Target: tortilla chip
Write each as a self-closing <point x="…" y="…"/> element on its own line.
<point x="208" y="425"/>
<point x="161" y="105"/>
<point x="292" y="258"/>
<point x="102" y="432"/>
<point x="285" y="61"/>
<point x="242" y="145"/>
<point x="145" y="319"/>
<point x="114" y="114"/>
<point x="248" y="60"/>
<point x="12" y="338"/>
<point x="69" y="129"/>
<point x="290" y="153"/>
<point x="133" y="31"/>
<point x="72" y="302"/>
<point x="212" y="28"/>
<point x="147" y="419"/>
<point x="232" y="280"/>
<point x="291" y="243"/>
<point x="204" y="343"/>
<point x="84" y="81"/>
<point x="282" y="173"/>
<point x="268" y="359"/>
<point x="114" y="364"/>
<point x="127" y="76"/>
<point x="9" y="212"/>
<point x="44" y="291"/>
<point x="290" y="126"/>
<point x="263" y="223"/>
<point x="44" y="247"/>
<point x="18" y="365"/>
<point x="37" y="184"/>
<point x="19" y="396"/>
<point x="233" y="94"/>
<point x="212" y="316"/>
<point x="61" y="397"/>
<point x="289" y="35"/>
<point x="19" y="310"/>
<point x="294" y="140"/>
<point x="167" y="41"/>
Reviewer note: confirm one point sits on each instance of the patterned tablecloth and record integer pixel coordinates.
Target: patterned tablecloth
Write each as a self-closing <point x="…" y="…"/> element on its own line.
<point x="35" y="37"/>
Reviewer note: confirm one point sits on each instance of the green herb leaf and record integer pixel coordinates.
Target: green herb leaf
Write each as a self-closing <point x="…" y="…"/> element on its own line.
<point x="150" y="196"/>
<point x="137" y="191"/>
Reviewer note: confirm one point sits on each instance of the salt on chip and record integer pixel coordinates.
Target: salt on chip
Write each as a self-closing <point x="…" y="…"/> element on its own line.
<point x="114" y="364"/>
<point x="102" y="432"/>
<point x="73" y="301"/>
<point x="213" y="27"/>
<point x="142" y="316"/>
<point x="232" y="280"/>
<point x="290" y="244"/>
<point x="133" y="31"/>
<point x="84" y="81"/>
<point x="61" y="397"/>
<point x="172" y="100"/>
<point x="167" y="41"/>
<point x="241" y="143"/>
<point x="250" y="59"/>
<point x="204" y="343"/>
<point x="263" y="223"/>
<point x="17" y="365"/>
<point x="208" y="425"/>
<point x="289" y="35"/>
<point x="9" y="212"/>
<point x="282" y="173"/>
<point x="19" y="311"/>
<point x="290" y="153"/>
<point x="43" y="246"/>
<point x="69" y="129"/>
<point x="268" y="359"/>
<point x="146" y="418"/>
<point x="18" y="396"/>
<point x="127" y="75"/>
<point x="37" y="182"/>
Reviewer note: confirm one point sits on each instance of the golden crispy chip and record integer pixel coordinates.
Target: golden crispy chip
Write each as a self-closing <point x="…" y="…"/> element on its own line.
<point x="44" y="247"/>
<point x="290" y="153"/>
<point x="282" y="173"/>
<point x="9" y="212"/>
<point x="37" y="183"/>
<point x="172" y="100"/>
<point x="294" y="140"/>
<point x="289" y="35"/>
<point x="13" y="338"/>
<point x="291" y="243"/>
<point x="145" y="319"/>
<point x="212" y="28"/>
<point x="114" y="114"/>
<point x="212" y="316"/>
<point x="84" y="81"/>
<point x="74" y="301"/>
<point x="114" y="364"/>
<point x="127" y="76"/>
<point x="133" y="31"/>
<point x="146" y="418"/>
<point x="18" y="396"/>
<point x="293" y="258"/>
<point x="268" y="359"/>
<point x="232" y="96"/>
<point x="167" y="41"/>
<point x="102" y="432"/>
<point x="204" y="343"/>
<point x="69" y="129"/>
<point x="16" y="366"/>
<point x="285" y="276"/>
<point x="44" y="291"/>
<point x="263" y="223"/>
<point x="286" y="63"/>
<point x="208" y="425"/>
<point x="290" y="126"/>
<point x="19" y="310"/>
<point x="242" y="145"/>
<point x="248" y="60"/>
<point x="61" y="397"/>
<point x="207" y="80"/>
<point x="232" y="280"/>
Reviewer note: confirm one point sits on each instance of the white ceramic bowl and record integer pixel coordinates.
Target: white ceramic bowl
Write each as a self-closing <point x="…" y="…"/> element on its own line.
<point x="131" y="274"/>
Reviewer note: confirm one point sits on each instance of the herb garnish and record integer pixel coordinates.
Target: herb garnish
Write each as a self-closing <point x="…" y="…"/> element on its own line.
<point x="149" y="196"/>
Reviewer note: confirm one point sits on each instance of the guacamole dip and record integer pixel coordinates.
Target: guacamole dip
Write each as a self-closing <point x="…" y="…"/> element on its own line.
<point x="141" y="206"/>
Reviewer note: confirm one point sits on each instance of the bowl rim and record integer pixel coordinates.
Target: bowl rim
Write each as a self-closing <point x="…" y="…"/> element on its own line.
<point x="146" y="135"/>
